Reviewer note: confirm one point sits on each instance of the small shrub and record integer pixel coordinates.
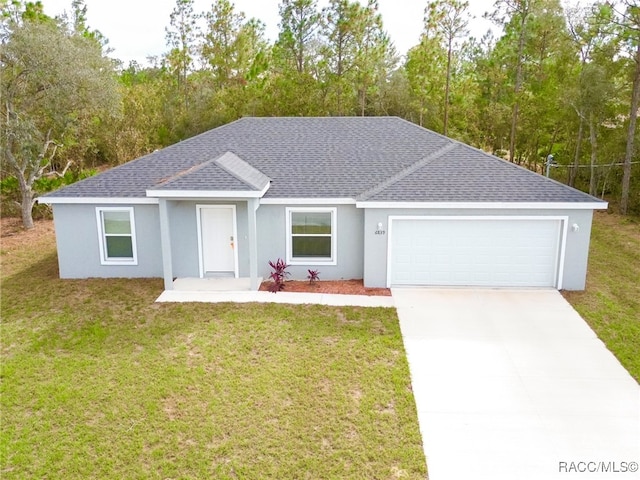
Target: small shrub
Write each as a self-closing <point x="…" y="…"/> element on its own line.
<point x="314" y="275"/>
<point x="278" y="275"/>
<point x="9" y="186"/>
<point x="48" y="183"/>
<point x="275" y="287"/>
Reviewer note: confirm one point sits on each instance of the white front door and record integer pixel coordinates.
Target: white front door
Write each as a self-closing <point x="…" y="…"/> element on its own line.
<point x="217" y="240"/>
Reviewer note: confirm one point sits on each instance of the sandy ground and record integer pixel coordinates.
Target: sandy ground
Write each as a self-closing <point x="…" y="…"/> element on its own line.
<point x="13" y="234"/>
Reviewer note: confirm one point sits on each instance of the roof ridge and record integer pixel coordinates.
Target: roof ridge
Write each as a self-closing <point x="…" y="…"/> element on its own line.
<point x="251" y="176"/>
<point x="407" y="171"/>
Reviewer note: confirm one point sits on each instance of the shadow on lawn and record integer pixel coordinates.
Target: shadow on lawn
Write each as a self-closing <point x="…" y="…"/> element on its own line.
<point x="38" y="286"/>
<point x="44" y="268"/>
<point x="37" y="274"/>
<point x="114" y="314"/>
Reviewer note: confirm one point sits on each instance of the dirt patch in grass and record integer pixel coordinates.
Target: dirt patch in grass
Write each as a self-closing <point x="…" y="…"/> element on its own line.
<point x="343" y="287"/>
<point x="13" y="234"/>
<point x="17" y="246"/>
<point x="628" y="228"/>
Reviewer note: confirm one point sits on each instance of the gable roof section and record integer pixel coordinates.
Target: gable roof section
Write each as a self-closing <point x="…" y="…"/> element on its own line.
<point x="371" y="159"/>
<point x="227" y="173"/>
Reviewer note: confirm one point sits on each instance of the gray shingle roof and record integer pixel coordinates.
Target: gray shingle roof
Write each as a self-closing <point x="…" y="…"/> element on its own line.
<point x="451" y="178"/>
<point x="369" y="158"/>
<point x="225" y="173"/>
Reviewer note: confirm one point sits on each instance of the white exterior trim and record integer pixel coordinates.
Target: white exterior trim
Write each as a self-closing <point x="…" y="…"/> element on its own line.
<point x="98" y="200"/>
<point x="489" y="205"/>
<point x="308" y="201"/>
<point x="165" y="244"/>
<point x="226" y="194"/>
<point x="334" y="236"/>
<point x="104" y="259"/>
<point x="177" y="194"/>
<point x="199" y="208"/>
<point x="564" y="225"/>
<point x="564" y="220"/>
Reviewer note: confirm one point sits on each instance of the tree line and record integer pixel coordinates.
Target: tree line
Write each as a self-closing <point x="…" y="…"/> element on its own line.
<point x="554" y="81"/>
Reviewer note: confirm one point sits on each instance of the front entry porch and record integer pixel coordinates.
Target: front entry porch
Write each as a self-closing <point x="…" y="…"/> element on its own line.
<point x="216" y="244"/>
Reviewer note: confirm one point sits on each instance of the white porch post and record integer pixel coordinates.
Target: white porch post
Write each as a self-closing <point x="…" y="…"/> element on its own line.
<point x="252" y="206"/>
<point x="165" y="242"/>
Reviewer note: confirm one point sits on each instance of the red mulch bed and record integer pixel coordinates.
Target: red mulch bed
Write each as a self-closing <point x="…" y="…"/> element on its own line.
<point x="344" y="287"/>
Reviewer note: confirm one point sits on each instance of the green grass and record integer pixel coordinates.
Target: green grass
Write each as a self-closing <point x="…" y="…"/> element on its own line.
<point x="611" y="301"/>
<point x="100" y="382"/>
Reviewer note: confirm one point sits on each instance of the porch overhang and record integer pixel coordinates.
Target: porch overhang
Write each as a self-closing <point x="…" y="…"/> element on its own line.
<point x="207" y="194"/>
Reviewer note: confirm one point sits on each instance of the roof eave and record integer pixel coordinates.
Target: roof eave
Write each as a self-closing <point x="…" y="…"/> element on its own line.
<point x="488" y="205"/>
<point x="97" y="200"/>
<point x="308" y="201"/>
<point x="213" y="194"/>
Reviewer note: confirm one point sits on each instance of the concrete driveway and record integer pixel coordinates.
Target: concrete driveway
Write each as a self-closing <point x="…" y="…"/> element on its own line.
<point x="513" y="384"/>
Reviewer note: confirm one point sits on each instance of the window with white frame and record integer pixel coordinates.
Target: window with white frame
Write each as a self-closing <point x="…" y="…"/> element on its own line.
<point x="116" y="231"/>
<point x="311" y="236"/>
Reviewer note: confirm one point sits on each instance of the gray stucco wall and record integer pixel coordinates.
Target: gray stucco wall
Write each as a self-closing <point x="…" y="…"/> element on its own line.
<point x="184" y="236"/>
<point x="272" y="232"/>
<point x="79" y="248"/>
<point x="79" y="251"/>
<point x="576" y="253"/>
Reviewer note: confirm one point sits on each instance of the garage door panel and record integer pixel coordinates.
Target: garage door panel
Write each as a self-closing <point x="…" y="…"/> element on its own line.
<point x="483" y="252"/>
<point x="403" y="258"/>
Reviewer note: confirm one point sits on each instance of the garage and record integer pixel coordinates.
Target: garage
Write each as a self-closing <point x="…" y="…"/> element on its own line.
<point x="498" y="251"/>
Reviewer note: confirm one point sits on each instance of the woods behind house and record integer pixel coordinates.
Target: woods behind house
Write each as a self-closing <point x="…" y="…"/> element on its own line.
<point x="551" y="81"/>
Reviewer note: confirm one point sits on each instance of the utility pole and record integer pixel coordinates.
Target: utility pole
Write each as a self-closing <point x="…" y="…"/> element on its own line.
<point x="550" y="163"/>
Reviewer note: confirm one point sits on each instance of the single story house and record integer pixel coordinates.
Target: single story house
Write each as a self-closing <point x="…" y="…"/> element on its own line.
<point x="376" y="198"/>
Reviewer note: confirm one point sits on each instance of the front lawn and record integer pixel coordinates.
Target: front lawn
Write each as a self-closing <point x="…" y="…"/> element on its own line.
<point x="100" y="382"/>
<point x="611" y="302"/>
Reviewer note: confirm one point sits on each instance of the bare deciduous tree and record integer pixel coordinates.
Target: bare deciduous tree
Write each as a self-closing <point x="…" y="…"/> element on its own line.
<point x="53" y="83"/>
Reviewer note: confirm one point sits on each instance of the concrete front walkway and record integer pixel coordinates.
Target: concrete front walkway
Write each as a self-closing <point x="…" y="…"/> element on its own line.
<point x="513" y="384"/>
<point x="208" y="296"/>
<point x="218" y="290"/>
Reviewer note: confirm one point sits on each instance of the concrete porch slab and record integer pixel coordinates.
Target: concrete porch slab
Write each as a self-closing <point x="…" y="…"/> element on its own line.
<point x="223" y="284"/>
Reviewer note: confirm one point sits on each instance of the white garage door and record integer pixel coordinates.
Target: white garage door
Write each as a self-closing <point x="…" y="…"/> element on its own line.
<point x="493" y="252"/>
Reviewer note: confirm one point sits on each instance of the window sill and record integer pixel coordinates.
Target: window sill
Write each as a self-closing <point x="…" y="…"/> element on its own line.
<point x="310" y="261"/>
<point x="115" y="262"/>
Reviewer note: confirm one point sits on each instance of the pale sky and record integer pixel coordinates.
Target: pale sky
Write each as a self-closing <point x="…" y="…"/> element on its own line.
<point x="136" y="28"/>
